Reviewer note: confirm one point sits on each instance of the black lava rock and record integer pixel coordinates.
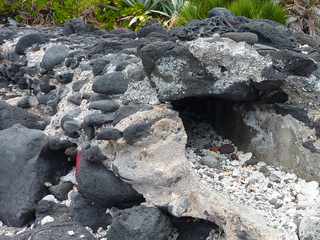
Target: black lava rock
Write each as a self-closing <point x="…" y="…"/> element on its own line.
<point x="140" y="223"/>
<point x="89" y="213"/>
<point x="293" y="63"/>
<point x="58" y="231"/>
<point x="150" y="28"/>
<point x="75" y="99"/>
<point x="98" y="65"/>
<point x="10" y="115"/>
<point x="26" y="163"/>
<point x="271" y="33"/>
<point x="110" y="83"/>
<point x="92" y="154"/>
<point x="193" y="229"/>
<point x="127" y="110"/>
<point x="61" y="190"/>
<point x="104" y="105"/>
<point x="98" y="119"/>
<point x="101" y="186"/>
<point x="53" y="56"/>
<point x="55" y="143"/>
<point x="28" y="40"/>
<point x="59" y="212"/>
<point x="77" y="26"/>
<point x="70" y="126"/>
<point x="109" y="134"/>
<point x="65" y="77"/>
<point x="76" y="86"/>
<point x="132" y="133"/>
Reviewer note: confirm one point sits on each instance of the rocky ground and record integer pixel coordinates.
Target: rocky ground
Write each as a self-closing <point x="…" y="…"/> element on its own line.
<point x="209" y="132"/>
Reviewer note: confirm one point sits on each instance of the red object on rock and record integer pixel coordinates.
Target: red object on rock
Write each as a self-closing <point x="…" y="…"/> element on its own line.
<point x="78" y="159"/>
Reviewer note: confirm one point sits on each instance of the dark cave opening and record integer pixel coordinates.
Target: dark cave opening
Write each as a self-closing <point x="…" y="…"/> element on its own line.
<point x="225" y="117"/>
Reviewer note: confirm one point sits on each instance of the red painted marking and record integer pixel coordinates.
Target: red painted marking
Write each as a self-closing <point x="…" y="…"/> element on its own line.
<point x="78" y="159"/>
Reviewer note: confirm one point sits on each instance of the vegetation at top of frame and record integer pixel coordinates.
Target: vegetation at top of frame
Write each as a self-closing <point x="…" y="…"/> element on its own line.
<point x="254" y="9"/>
<point x="134" y="14"/>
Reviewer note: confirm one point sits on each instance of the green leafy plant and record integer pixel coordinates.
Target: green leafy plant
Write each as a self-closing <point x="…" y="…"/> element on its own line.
<point x="198" y="9"/>
<point x="267" y="9"/>
<point x="259" y="9"/>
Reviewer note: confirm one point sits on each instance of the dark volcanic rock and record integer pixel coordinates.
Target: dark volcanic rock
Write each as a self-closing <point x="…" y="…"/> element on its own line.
<point x="293" y="63"/>
<point x="70" y="126"/>
<point x="92" y="154"/>
<point x="271" y="33"/>
<point x="25" y="165"/>
<point x="65" y="77"/>
<point x="98" y="65"/>
<point x="101" y="186"/>
<point x="151" y="28"/>
<point x="61" y="190"/>
<point x="10" y="115"/>
<point x="54" y="56"/>
<point x="75" y="99"/>
<point x="207" y="27"/>
<point x="88" y="213"/>
<point x="127" y="110"/>
<point x="59" y="212"/>
<point x="6" y="34"/>
<point x="110" y="83"/>
<point x="59" y="231"/>
<point x="98" y="119"/>
<point x="193" y="229"/>
<point x="140" y="223"/>
<point x="109" y="134"/>
<point x="29" y="40"/>
<point x="247" y="37"/>
<point x="132" y="133"/>
<point x="104" y="105"/>
<point x="77" y="26"/>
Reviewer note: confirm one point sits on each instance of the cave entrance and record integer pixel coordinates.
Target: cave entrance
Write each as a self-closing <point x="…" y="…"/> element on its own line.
<point x="207" y="119"/>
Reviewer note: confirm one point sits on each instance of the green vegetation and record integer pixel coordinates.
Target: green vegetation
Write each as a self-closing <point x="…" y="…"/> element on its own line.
<point x="255" y="9"/>
<point x="134" y="14"/>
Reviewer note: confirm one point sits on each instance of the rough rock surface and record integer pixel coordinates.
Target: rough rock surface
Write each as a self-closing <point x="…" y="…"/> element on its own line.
<point x="25" y="165"/>
<point x="140" y="223"/>
<point x="216" y="128"/>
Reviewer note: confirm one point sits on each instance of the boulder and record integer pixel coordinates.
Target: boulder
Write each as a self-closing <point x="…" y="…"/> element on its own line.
<point x="109" y="134"/>
<point x="280" y="140"/>
<point x="100" y="185"/>
<point x="110" y="83"/>
<point x="140" y="223"/>
<point x="88" y="213"/>
<point x="10" y="115"/>
<point x="271" y="33"/>
<point x="104" y="105"/>
<point x="216" y="67"/>
<point x="26" y="164"/>
<point x="29" y="40"/>
<point x="53" y="56"/>
<point x="172" y="184"/>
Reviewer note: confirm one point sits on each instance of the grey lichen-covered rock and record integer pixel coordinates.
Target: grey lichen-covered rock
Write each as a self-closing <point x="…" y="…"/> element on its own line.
<point x="217" y="67"/>
<point x="281" y="141"/>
